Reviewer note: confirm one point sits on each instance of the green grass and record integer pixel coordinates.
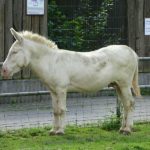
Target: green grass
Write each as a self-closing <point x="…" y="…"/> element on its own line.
<point x="76" y="138"/>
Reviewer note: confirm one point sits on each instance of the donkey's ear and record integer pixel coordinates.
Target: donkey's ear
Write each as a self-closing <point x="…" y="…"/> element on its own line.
<point x="16" y="35"/>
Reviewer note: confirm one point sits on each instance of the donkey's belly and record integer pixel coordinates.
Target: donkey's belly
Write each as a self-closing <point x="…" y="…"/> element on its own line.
<point x="88" y="87"/>
<point x="90" y="80"/>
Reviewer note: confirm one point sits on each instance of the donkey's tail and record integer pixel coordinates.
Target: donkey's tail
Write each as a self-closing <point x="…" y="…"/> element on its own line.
<point x="135" y="83"/>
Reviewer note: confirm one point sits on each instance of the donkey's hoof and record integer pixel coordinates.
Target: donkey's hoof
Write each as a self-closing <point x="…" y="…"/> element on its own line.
<point x="60" y="132"/>
<point x="52" y="132"/>
<point x="121" y="130"/>
<point x="125" y="132"/>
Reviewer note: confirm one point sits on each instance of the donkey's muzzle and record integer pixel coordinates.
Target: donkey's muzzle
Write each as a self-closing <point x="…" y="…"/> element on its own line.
<point x="5" y="72"/>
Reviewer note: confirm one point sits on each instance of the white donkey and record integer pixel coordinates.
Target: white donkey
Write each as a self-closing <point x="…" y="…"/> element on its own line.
<point x="65" y="71"/>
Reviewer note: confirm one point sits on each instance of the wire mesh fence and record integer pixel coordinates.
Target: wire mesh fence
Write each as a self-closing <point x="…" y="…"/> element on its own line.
<point x="34" y="109"/>
<point x="81" y="110"/>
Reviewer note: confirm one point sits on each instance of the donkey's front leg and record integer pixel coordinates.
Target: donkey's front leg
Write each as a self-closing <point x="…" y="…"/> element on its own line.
<point x="61" y="94"/>
<point x="59" y="107"/>
<point x="56" y="117"/>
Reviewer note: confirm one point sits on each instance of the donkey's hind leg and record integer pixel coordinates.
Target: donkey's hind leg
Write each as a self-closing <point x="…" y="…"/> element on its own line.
<point x="128" y="107"/>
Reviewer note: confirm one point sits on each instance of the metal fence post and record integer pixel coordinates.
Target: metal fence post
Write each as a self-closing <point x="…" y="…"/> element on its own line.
<point x="118" y="107"/>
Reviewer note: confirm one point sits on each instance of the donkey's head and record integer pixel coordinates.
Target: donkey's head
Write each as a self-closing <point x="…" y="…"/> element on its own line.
<point x="16" y="58"/>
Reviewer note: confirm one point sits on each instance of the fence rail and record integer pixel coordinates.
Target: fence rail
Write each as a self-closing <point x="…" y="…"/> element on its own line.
<point x="46" y="92"/>
<point x="144" y="58"/>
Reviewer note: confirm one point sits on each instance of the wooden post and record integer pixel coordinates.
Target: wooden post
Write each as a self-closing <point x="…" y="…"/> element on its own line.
<point x="131" y="23"/>
<point x="17" y="22"/>
<point x="43" y="20"/>
<point x="136" y="25"/>
<point x="26" y="72"/>
<point x="36" y="29"/>
<point x="118" y="107"/>
<point x="140" y="47"/>
<point x="8" y="24"/>
<point x="26" y="18"/>
<point x="35" y="24"/>
<point x="2" y="30"/>
<point x="17" y="15"/>
<point x="147" y="37"/>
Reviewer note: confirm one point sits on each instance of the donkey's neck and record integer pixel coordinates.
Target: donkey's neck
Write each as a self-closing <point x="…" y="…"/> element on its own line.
<point x="41" y="58"/>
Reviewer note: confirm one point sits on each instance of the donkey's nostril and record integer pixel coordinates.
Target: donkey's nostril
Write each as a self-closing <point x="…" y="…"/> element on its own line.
<point x="4" y="70"/>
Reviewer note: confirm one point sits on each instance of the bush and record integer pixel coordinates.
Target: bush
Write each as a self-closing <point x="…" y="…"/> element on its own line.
<point x="85" y="29"/>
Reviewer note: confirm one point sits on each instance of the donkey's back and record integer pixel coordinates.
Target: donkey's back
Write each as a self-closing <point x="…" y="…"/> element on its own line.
<point x="94" y="70"/>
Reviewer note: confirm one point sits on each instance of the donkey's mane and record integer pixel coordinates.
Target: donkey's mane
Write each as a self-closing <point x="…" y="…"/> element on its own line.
<point x="38" y="38"/>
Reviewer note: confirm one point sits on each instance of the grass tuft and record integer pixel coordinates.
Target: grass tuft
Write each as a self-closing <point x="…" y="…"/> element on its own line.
<point x="111" y="123"/>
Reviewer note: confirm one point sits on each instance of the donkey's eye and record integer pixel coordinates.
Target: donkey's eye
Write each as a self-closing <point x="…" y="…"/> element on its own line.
<point x="15" y="52"/>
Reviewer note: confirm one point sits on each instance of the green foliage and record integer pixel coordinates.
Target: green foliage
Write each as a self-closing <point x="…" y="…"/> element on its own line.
<point x="145" y="91"/>
<point x="85" y="30"/>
